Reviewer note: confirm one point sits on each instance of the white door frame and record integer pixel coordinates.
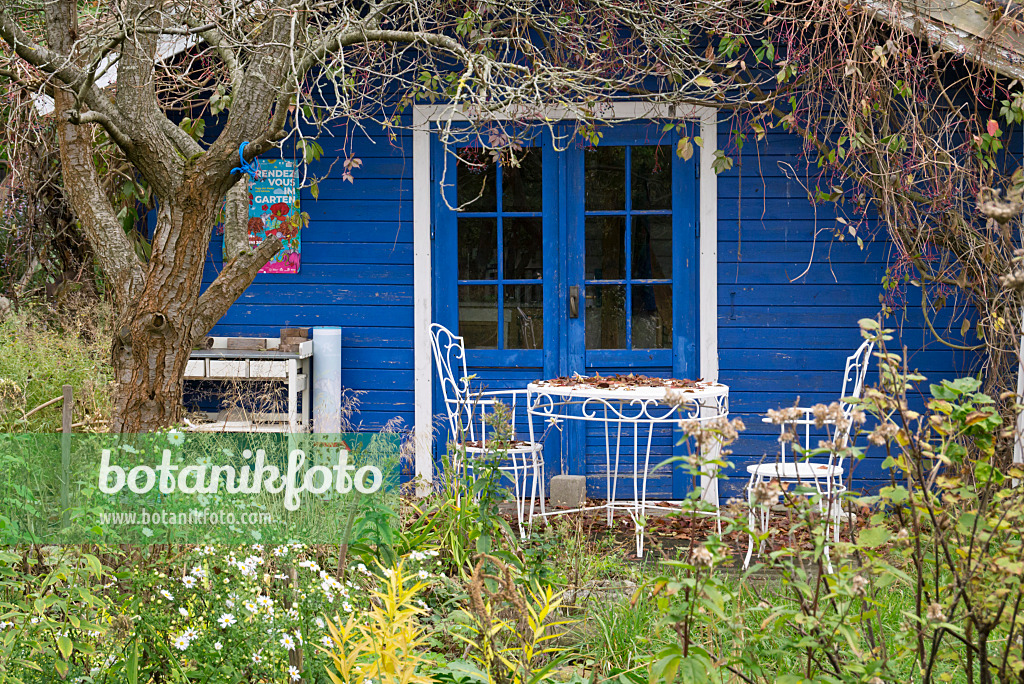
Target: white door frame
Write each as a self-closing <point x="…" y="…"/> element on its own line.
<point x="424" y="119"/>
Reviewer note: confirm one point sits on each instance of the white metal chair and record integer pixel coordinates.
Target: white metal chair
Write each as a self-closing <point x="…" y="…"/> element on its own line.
<point x="467" y="410"/>
<point x="824" y="476"/>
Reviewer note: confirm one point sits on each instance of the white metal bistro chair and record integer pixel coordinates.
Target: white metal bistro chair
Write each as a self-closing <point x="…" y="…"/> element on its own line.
<point x="825" y="476"/>
<point x="467" y="412"/>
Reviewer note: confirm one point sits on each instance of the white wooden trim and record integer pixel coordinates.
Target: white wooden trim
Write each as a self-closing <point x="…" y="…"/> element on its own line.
<point x="708" y="317"/>
<point x="423" y="116"/>
<point x="422" y="301"/>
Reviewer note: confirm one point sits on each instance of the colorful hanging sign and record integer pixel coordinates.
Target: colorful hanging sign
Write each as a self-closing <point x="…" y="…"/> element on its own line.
<point x="274" y="211"/>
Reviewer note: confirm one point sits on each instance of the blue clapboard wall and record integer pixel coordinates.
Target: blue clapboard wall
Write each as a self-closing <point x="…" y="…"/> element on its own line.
<point x="356" y="272"/>
<point x="780" y="337"/>
<point x="790" y="294"/>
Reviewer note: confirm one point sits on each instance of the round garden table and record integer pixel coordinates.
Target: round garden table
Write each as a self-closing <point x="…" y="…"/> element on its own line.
<point x="614" y="404"/>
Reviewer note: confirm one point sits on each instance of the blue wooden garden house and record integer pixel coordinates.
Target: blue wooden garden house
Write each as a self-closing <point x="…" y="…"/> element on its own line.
<point x="676" y="270"/>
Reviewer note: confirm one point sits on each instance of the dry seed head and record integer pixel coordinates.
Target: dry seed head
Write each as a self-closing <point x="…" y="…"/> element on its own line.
<point x="701" y="556"/>
<point x="765" y="492"/>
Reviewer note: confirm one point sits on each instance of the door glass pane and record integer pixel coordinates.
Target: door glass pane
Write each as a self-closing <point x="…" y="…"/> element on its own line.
<point x="605" y="323"/>
<point x="605" y="256"/>
<point x="605" y="178"/>
<point x="651" y="177"/>
<point x="478" y="248"/>
<point x="652" y="247"/>
<point x="478" y="315"/>
<point x="521" y="185"/>
<point x="524" y="248"/>
<point x="652" y="316"/>
<point x="524" y="316"/>
<point x="477" y="181"/>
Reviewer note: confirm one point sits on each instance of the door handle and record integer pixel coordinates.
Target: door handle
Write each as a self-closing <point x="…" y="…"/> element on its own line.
<point x="574" y="301"/>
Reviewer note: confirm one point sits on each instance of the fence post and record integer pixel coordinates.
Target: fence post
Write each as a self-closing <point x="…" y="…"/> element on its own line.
<point x="65" y="455"/>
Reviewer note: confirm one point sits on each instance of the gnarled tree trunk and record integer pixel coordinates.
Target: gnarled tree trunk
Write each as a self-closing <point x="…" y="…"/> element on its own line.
<point x="156" y="331"/>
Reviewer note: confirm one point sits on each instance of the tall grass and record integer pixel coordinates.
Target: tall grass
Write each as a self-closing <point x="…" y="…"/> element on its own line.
<point x="39" y="354"/>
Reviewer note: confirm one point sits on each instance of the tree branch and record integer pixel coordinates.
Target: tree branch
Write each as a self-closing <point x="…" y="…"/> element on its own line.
<point x="215" y="39"/>
<point x="61" y="67"/>
<point x="92" y="116"/>
<point x="81" y="181"/>
<point x="236" y="219"/>
<point x="237" y="275"/>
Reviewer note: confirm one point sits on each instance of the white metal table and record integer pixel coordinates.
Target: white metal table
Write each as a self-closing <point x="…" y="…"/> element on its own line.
<point x="641" y="407"/>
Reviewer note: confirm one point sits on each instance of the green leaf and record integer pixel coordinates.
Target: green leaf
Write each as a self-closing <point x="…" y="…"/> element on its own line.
<point x="871" y="537"/>
<point x="984" y="474"/>
<point x="94" y="564"/>
<point x="868" y="324"/>
<point x="61" y="666"/>
<point x="897" y="494"/>
<point x="132" y="666"/>
<point x="65" y="646"/>
<point x="464" y="671"/>
<point x="704" y="82"/>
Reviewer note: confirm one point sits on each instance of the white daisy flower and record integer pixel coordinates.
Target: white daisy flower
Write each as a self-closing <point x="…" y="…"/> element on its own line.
<point x="198" y="572"/>
<point x="217" y="646"/>
<point x="175" y="437"/>
<point x="191" y="633"/>
<point x="347" y="607"/>
<point x="167" y="595"/>
<point x="250" y="606"/>
<point x="180" y="642"/>
<point x="183" y="612"/>
<point x="319" y="622"/>
<point x="226" y="620"/>
<point x="189" y="581"/>
<point x="326" y="641"/>
<point x="257" y="657"/>
<point x="287" y="642"/>
<point x="293" y="672"/>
